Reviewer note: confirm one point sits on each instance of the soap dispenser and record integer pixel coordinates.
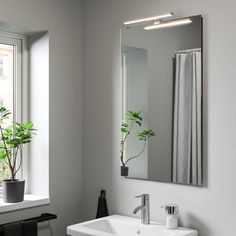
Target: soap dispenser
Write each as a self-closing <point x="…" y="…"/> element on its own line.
<point x="171" y="216"/>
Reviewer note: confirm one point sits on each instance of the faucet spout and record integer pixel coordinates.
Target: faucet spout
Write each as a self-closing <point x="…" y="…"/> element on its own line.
<point x="138" y="208"/>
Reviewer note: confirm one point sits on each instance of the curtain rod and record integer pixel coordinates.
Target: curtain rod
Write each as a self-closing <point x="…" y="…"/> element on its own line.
<point x="189" y="50"/>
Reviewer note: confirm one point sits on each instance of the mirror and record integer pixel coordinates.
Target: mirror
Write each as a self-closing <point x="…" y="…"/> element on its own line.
<point x="162" y="78"/>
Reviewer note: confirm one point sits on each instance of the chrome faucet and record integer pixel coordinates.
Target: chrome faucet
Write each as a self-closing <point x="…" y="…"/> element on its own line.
<point x="144" y="208"/>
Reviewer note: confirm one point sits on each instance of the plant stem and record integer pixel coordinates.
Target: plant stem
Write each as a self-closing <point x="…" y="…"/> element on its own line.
<point x="145" y="142"/>
<point x="19" y="163"/>
<point x="14" y="157"/>
<point x="7" y="154"/>
<point x="123" y="144"/>
<point x="131" y="126"/>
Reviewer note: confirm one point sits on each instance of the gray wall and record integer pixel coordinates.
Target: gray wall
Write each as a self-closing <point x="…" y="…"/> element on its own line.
<point x="63" y="21"/>
<point x="211" y="209"/>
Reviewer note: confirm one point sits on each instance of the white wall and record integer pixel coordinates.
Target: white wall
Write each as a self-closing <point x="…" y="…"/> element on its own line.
<point x="211" y="209"/>
<point x="38" y="178"/>
<point x="63" y="21"/>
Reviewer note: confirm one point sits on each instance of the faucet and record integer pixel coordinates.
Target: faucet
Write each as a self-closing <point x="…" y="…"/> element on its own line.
<point x="144" y="208"/>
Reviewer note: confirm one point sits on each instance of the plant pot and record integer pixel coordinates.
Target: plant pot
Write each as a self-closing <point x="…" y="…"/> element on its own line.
<point x="124" y="171"/>
<point x="13" y="191"/>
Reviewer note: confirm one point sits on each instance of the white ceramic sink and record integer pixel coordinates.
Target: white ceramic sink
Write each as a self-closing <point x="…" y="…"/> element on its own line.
<point x="124" y="226"/>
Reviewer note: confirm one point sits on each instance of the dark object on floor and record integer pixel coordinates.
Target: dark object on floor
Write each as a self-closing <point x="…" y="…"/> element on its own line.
<point x="102" y="209"/>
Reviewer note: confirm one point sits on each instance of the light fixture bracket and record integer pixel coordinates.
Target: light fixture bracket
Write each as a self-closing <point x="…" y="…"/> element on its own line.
<point x="157" y="22"/>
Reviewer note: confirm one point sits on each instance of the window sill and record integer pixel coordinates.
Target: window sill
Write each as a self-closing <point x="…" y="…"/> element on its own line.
<point x="30" y="201"/>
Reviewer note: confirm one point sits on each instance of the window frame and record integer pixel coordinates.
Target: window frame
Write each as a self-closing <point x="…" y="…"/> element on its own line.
<point x="20" y="89"/>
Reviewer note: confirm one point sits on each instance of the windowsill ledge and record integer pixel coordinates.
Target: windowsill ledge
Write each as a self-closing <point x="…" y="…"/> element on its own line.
<point x="30" y="201"/>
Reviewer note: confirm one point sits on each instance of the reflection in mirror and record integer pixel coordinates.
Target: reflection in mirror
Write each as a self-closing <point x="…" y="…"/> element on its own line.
<point x="162" y="77"/>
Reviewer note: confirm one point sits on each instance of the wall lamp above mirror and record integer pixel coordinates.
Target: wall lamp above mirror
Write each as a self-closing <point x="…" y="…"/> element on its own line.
<point x="148" y="19"/>
<point x="159" y="21"/>
<point x="162" y="86"/>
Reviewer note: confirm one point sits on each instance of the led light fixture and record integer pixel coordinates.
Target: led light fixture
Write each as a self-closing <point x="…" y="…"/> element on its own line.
<point x="152" y="18"/>
<point x="164" y="24"/>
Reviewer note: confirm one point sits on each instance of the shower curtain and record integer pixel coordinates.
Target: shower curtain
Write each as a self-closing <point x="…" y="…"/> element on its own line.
<point x="187" y="161"/>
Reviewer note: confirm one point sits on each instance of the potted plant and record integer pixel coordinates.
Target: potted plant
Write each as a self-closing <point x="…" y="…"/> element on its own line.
<point x="12" y="140"/>
<point x="132" y="118"/>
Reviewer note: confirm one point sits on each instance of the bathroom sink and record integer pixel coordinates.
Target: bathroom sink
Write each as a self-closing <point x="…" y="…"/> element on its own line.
<point x="124" y="226"/>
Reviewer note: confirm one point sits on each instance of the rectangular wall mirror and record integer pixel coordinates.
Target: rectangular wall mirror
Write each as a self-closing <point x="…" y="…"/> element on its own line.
<point x="162" y="78"/>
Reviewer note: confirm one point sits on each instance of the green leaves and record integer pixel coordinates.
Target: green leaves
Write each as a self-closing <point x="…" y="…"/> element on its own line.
<point x="133" y="116"/>
<point x="145" y="134"/>
<point x="130" y="118"/>
<point x="124" y="128"/>
<point x="18" y="134"/>
<point x="2" y="154"/>
<point x="4" y="113"/>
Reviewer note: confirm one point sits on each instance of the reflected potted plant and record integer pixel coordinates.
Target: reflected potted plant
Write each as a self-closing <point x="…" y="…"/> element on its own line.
<point x="12" y="140"/>
<point x="129" y="120"/>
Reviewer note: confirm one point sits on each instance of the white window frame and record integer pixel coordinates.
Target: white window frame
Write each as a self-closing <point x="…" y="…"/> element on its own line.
<point x="21" y="90"/>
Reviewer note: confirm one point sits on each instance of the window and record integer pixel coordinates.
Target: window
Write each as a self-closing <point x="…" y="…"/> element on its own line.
<point x="12" y="95"/>
<point x="19" y="96"/>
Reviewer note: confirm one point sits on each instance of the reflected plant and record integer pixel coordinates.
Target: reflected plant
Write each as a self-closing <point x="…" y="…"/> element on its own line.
<point x="129" y="120"/>
<point x="12" y="139"/>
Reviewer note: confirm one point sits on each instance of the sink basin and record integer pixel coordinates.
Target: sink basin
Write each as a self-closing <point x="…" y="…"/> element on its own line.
<point x="124" y="226"/>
